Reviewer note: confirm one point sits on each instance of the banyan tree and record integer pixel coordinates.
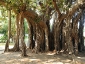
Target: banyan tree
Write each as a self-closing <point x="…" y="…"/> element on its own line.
<point x="63" y="36"/>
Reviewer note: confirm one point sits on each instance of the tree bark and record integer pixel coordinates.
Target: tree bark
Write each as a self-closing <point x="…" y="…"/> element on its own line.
<point x="75" y="31"/>
<point x="31" y="37"/>
<point x="23" y="45"/>
<point x="81" y="38"/>
<point x="68" y="36"/>
<point x="16" y="37"/>
<point x="9" y="31"/>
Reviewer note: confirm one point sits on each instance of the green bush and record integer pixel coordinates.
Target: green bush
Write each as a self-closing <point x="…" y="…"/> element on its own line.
<point x="3" y="39"/>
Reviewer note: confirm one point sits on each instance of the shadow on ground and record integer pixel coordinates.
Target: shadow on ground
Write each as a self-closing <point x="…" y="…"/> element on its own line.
<point x="40" y="58"/>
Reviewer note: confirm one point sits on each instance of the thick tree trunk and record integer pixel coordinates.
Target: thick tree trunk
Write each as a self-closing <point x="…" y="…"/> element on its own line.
<point x="68" y="36"/>
<point x="30" y="16"/>
<point x="6" y="46"/>
<point x="39" y="43"/>
<point x="47" y="41"/>
<point x="46" y="34"/>
<point x="64" y="45"/>
<point x="9" y="31"/>
<point x="17" y="33"/>
<point x="16" y="38"/>
<point x="75" y="31"/>
<point x="38" y="37"/>
<point x="31" y="37"/>
<point x="81" y="38"/>
<point x="57" y="36"/>
<point x="23" y="45"/>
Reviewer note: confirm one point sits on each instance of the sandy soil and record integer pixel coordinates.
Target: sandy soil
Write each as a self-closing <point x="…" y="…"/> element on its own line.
<point x="40" y="58"/>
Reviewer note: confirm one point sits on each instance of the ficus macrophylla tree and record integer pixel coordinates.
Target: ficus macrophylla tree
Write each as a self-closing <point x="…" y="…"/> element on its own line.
<point x="64" y="35"/>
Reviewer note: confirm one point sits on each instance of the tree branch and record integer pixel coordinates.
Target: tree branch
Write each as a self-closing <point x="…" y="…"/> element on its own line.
<point x="77" y="17"/>
<point x="56" y="7"/>
<point x="3" y="3"/>
<point x="74" y="7"/>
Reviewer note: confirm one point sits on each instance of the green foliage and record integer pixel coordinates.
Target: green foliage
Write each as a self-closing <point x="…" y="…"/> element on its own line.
<point x="26" y="26"/>
<point x="3" y="13"/>
<point x="3" y="38"/>
<point x="31" y="4"/>
<point x="3" y="30"/>
<point x="62" y="5"/>
<point x="4" y="23"/>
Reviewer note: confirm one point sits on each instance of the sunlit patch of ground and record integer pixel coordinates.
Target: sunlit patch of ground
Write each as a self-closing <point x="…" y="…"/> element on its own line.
<point x="40" y="58"/>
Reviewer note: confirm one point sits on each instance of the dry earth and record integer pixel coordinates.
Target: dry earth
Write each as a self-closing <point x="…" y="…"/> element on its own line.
<point x="40" y="58"/>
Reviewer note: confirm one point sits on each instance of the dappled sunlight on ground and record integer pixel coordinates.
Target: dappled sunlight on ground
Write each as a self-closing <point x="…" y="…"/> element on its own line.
<point x="40" y="58"/>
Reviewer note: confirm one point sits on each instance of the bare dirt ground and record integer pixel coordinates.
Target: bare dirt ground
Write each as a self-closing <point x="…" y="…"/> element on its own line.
<point x="40" y="58"/>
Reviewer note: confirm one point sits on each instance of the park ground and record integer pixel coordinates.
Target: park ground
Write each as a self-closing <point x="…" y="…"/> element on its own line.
<point x="40" y="58"/>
